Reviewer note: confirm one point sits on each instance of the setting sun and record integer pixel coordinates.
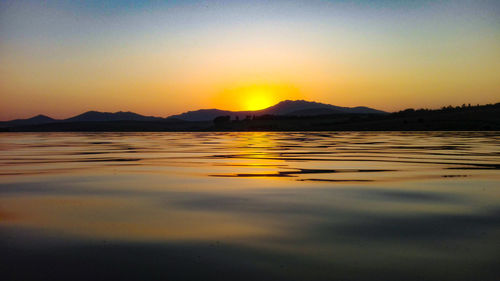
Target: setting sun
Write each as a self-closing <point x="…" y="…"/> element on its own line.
<point x="258" y="100"/>
<point x="255" y="95"/>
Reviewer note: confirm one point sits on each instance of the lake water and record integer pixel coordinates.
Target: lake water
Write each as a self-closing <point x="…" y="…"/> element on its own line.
<point x="250" y="206"/>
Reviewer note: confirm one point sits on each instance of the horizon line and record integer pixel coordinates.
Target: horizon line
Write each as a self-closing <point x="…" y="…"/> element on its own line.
<point x="236" y="111"/>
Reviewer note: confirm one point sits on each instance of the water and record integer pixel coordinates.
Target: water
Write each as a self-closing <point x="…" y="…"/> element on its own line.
<point x="250" y="206"/>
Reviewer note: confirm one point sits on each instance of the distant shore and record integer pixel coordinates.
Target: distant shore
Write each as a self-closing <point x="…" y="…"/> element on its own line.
<point x="465" y="118"/>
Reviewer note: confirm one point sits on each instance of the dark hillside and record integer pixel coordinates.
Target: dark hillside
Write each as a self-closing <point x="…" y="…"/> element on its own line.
<point x="466" y="118"/>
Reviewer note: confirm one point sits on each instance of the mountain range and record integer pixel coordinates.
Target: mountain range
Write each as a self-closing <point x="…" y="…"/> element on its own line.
<point x="284" y="108"/>
<point x="284" y="116"/>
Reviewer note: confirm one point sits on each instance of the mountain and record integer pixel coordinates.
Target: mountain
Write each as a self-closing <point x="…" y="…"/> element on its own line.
<point x="292" y="118"/>
<point x="286" y="108"/>
<point x="203" y="114"/>
<point x="289" y="107"/>
<point x="89" y="116"/>
<point x="95" y="116"/>
<point x="39" y="119"/>
<point x="314" y="112"/>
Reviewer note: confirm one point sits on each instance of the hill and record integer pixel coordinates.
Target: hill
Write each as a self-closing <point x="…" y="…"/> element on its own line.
<point x="465" y="118"/>
<point x="96" y="116"/>
<point x="292" y="116"/>
<point x="287" y="108"/>
<point x="39" y="119"/>
<point x="89" y="116"/>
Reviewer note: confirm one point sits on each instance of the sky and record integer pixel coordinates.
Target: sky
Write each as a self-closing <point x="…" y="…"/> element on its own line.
<point x="62" y="58"/>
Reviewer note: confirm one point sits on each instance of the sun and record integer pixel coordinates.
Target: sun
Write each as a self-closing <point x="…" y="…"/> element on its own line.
<point x="256" y="100"/>
<point x="254" y="96"/>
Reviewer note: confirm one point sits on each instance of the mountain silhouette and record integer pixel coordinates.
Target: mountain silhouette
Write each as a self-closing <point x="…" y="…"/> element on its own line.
<point x="289" y="107"/>
<point x="284" y="116"/>
<point x="39" y="119"/>
<point x="89" y="116"/>
<point x="205" y="114"/>
<point x="95" y="116"/>
<point x="285" y="108"/>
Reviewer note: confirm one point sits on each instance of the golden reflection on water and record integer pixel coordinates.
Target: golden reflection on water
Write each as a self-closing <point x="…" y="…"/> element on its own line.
<point x="322" y="198"/>
<point x="123" y="219"/>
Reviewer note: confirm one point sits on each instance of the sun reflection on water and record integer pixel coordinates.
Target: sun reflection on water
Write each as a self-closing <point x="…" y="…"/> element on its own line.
<point x="305" y="200"/>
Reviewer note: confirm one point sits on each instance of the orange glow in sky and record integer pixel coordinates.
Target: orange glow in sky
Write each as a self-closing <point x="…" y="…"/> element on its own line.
<point x="260" y="97"/>
<point x="254" y="95"/>
<point x="258" y="100"/>
<point x="62" y="58"/>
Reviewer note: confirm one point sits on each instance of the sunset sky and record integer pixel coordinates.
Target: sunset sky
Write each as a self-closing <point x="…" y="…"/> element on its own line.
<point x="61" y="58"/>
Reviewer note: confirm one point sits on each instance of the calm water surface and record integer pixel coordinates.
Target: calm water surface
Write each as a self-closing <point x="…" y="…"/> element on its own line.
<point x="250" y="206"/>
